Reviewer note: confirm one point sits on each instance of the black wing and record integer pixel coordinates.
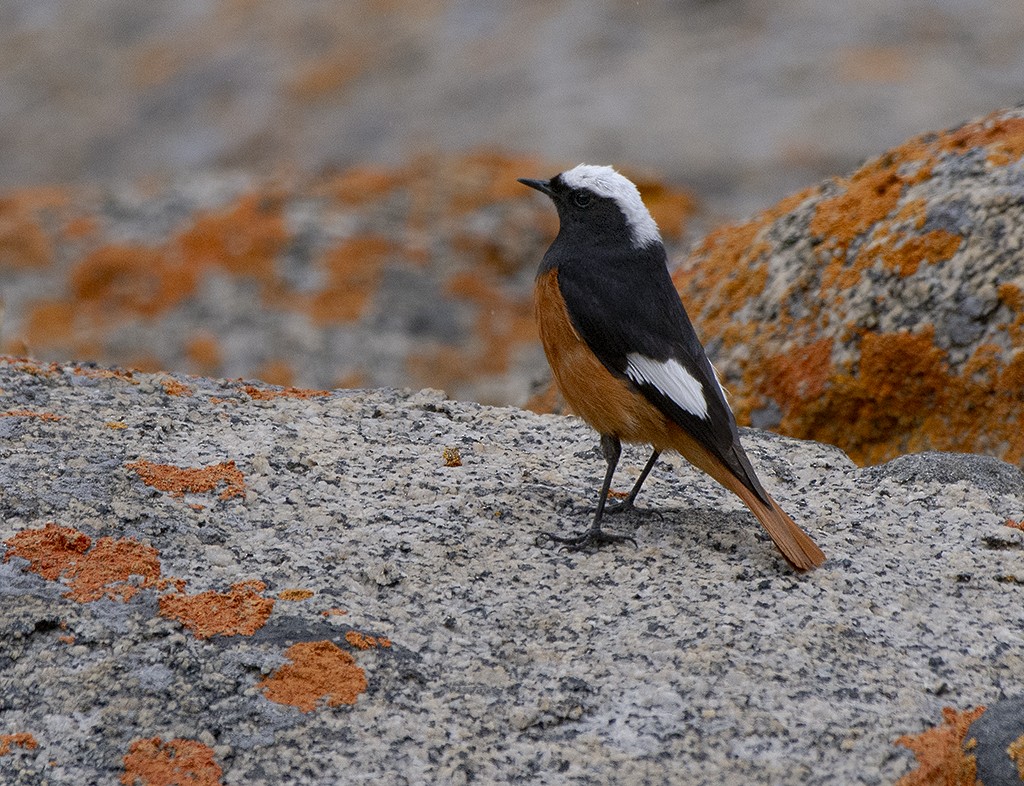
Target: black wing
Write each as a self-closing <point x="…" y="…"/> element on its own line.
<point x="623" y="302"/>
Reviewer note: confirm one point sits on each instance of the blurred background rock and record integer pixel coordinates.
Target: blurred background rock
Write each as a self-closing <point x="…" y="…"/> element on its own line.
<point x="322" y="193"/>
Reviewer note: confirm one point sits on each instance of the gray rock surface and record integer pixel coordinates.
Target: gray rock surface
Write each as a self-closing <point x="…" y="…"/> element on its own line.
<point x="696" y="658"/>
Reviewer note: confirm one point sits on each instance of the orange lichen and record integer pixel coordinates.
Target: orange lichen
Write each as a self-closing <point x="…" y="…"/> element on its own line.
<point x="243" y="239"/>
<point x="27" y="413"/>
<point x="177" y="762"/>
<point x="104" y="571"/>
<point x="906" y="252"/>
<point x="241" y="611"/>
<point x="319" y="670"/>
<point x="122" y="374"/>
<point x="866" y="198"/>
<point x="295" y="594"/>
<point x="1015" y="750"/>
<point x="19" y="739"/>
<point x="174" y="388"/>
<point x="1015" y="524"/>
<point x="669" y="207"/>
<point x="1002" y="137"/>
<point x="451" y="457"/>
<point x="203" y="350"/>
<point x="23" y="241"/>
<point x="50" y="323"/>
<point x="266" y="394"/>
<point x="799" y="375"/>
<point x="728" y="267"/>
<point x="353" y="270"/>
<point x="276" y="372"/>
<point x="50" y="550"/>
<point x="364" y="641"/>
<point x="127" y="279"/>
<point x="193" y="480"/>
<point x="942" y="760"/>
<point x="874" y="411"/>
<point x="325" y="77"/>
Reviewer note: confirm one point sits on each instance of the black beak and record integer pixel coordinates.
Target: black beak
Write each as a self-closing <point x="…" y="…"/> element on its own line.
<point x="544" y="186"/>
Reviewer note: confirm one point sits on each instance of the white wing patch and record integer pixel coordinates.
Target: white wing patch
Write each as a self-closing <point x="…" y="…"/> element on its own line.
<point x="606" y="182"/>
<point x="671" y="379"/>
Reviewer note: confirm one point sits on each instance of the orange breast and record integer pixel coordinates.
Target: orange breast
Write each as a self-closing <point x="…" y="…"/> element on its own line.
<point x="609" y="404"/>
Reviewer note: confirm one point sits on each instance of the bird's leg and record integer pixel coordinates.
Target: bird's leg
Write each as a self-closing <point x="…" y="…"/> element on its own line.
<point x="627" y="504"/>
<point x="595" y="536"/>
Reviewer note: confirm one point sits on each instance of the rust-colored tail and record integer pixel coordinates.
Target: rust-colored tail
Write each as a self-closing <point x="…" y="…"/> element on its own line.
<point x="796" y="545"/>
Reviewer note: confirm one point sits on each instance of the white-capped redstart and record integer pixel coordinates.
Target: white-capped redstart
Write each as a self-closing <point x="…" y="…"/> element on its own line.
<point x="625" y="356"/>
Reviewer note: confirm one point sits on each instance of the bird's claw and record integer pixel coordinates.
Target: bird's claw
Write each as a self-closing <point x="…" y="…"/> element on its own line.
<point x="592" y="538"/>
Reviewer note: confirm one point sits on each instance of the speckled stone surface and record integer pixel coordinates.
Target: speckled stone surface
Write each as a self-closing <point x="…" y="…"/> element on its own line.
<point x="696" y="658"/>
<point x="882" y="311"/>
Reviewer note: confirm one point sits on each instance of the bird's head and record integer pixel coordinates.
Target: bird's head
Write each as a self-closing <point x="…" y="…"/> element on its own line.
<point x="601" y="202"/>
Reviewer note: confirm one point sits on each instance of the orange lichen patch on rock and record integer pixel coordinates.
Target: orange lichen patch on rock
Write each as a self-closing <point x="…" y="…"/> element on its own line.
<point x="1002" y="137"/>
<point x="173" y="387"/>
<point x="266" y="394"/>
<point x="1015" y="524"/>
<point x="502" y="321"/>
<point x="119" y="279"/>
<point x="27" y="413"/>
<point x="243" y="239"/>
<point x="900" y="380"/>
<point x="319" y="670"/>
<point x="23" y="241"/>
<point x="177" y="762"/>
<point x="178" y="481"/>
<point x="102" y="572"/>
<point x="18" y="740"/>
<point x="799" y="375"/>
<point x="50" y="323"/>
<point x="334" y="612"/>
<point x="940" y="752"/>
<point x="241" y="611"/>
<point x="203" y="350"/>
<point x="106" y="570"/>
<point x="908" y="251"/>
<point x="50" y="550"/>
<point x="295" y="594"/>
<point x="1015" y="750"/>
<point x="364" y="641"/>
<point x="353" y="270"/>
<point x="122" y="374"/>
<point x="276" y="372"/>
<point x="867" y="197"/>
<point x="326" y="76"/>
<point x="363" y="184"/>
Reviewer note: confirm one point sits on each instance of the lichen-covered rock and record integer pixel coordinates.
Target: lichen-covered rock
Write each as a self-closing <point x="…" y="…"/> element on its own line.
<point x="414" y="275"/>
<point x="882" y="312"/>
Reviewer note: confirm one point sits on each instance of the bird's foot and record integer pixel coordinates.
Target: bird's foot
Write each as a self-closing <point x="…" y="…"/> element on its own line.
<point x="625" y="506"/>
<point x="592" y="538"/>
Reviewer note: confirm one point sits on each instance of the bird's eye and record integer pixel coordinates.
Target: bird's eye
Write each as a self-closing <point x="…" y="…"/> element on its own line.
<point x="582" y="198"/>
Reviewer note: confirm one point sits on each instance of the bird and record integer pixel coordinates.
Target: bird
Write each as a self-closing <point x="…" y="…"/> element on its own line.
<point x="626" y="358"/>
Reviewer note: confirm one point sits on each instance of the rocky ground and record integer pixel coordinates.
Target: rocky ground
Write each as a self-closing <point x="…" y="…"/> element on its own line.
<point x="257" y="585"/>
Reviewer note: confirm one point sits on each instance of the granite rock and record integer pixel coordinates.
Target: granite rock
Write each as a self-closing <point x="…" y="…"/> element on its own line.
<point x="266" y="585"/>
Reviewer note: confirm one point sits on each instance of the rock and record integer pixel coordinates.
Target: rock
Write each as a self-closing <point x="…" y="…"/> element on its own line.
<point x="417" y="275"/>
<point x="996" y="740"/>
<point x="881" y="312"/>
<point x="262" y="585"/>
